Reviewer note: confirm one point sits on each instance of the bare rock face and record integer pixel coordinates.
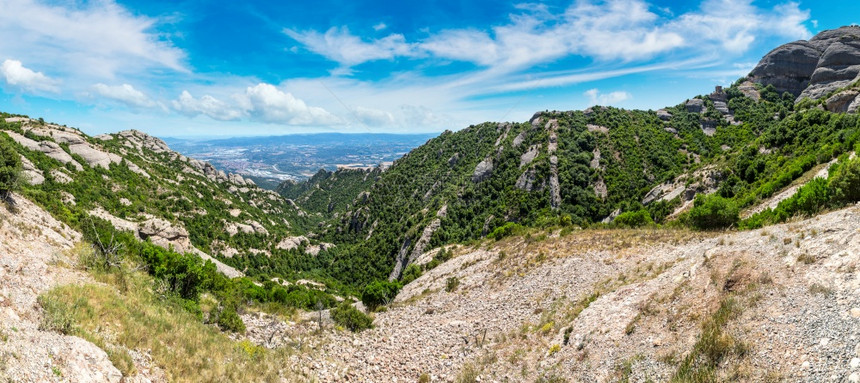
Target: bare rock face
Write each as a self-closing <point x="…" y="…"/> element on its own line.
<point x="483" y="171"/>
<point x="748" y="88"/>
<point x="788" y="68"/>
<point x="529" y="156"/>
<point x="813" y="68"/>
<point x="526" y="180"/>
<point x="664" y="115"/>
<point x="290" y="243"/>
<point x="32" y="174"/>
<point x="158" y="229"/>
<point x="51" y="149"/>
<point x="841" y="102"/>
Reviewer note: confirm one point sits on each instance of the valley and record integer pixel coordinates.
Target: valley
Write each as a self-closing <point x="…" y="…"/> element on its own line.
<point x="717" y="239"/>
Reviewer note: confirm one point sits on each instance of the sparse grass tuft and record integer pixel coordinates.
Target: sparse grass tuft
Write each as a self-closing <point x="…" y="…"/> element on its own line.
<point x="469" y="374"/>
<point x="806" y="259"/>
<point x="712" y="348"/>
<point x="451" y="284"/>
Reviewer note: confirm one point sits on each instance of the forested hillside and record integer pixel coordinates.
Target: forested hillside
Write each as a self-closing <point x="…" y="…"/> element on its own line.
<point x="739" y="146"/>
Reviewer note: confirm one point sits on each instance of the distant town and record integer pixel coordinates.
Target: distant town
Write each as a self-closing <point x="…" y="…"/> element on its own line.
<point x="272" y="160"/>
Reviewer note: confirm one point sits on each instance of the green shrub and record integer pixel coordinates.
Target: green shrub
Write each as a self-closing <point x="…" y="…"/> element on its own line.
<point x="10" y="167"/>
<point x="350" y="317"/>
<point x="634" y="218"/>
<point x="411" y="273"/>
<point x="845" y="184"/>
<point x="379" y="293"/>
<point x="505" y="230"/>
<point x="229" y="320"/>
<point x="713" y="212"/>
<point x="451" y="284"/>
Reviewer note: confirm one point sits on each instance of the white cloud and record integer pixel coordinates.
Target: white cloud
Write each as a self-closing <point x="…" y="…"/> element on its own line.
<point x="624" y="30"/>
<point x="341" y="46"/>
<point x="422" y="116"/>
<point x="125" y="94"/>
<point x="463" y="45"/>
<point x="596" y="98"/>
<point x="267" y="103"/>
<point x="16" y="74"/>
<point x="379" y="27"/>
<point x="733" y="25"/>
<point x="372" y="117"/>
<point x="206" y="105"/>
<point x="95" y="39"/>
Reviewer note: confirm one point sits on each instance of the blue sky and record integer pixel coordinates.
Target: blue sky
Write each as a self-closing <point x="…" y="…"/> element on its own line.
<point x="208" y="68"/>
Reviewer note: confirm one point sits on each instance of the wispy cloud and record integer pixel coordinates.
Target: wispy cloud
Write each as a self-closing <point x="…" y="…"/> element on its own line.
<point x="96" y="39"/>
<point x="613" y="98"/>
<point x="19" y="76"/>
<point x="625" y="30"/>
<point x="341" y="46"/>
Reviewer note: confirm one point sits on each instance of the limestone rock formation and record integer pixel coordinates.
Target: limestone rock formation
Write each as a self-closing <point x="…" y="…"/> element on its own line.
<point x="814" y="68"/>
<point x="696" y="105"/>
<point x="483" y="171"/>
<point x="32" y="174"/>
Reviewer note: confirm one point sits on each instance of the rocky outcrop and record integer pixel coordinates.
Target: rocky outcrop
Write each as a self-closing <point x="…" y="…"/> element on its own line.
<point x="35" y="251"/>
<point x="50" y="148"/>
<point x="529" y="155"/>
<point x="685" y="187"/>
<point x="32" y="174"/>
<point x="526" y="180"/>
<point x="483" y="171"/>
<point x="843" y="102"/>
<point x="290" y="243"/>
<point x="420" y="245"/>
<point x="664" y="114"/>
<point x="788" y="68"/>
<point x="814" y="68"/>
<point x="696" y="105"/>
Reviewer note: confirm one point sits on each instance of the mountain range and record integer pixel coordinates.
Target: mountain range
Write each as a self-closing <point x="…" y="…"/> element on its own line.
<point x="595" y="245"/>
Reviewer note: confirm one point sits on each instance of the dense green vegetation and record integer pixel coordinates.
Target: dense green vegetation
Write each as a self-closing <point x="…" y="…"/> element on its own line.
<point x="329" y="192"/>
<point x="773" y="144"/>
<point x="605" y="160"/>
<point x="10" y="168"/>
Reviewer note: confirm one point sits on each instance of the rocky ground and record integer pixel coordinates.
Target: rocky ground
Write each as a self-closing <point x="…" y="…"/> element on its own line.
<point x="631" y="302"/>
<point x="34" y="257"/>
<point x="583" y="305"/>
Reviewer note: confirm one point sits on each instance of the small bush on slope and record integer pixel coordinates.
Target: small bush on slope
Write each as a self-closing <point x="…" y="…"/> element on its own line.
<point x="351" y="318"/>
<point x="713" y="212"/>
<point x="634" y="218"/>
<point x="845" y="184"/>
<point x="10" y="167"/>
<point x="379" y="293"/>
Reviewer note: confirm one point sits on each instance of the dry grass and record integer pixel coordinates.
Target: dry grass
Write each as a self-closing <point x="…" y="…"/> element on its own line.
<point x="185" y="348"/>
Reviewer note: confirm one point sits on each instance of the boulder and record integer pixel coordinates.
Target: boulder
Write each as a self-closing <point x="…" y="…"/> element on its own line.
<point x="664" y="114"/>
